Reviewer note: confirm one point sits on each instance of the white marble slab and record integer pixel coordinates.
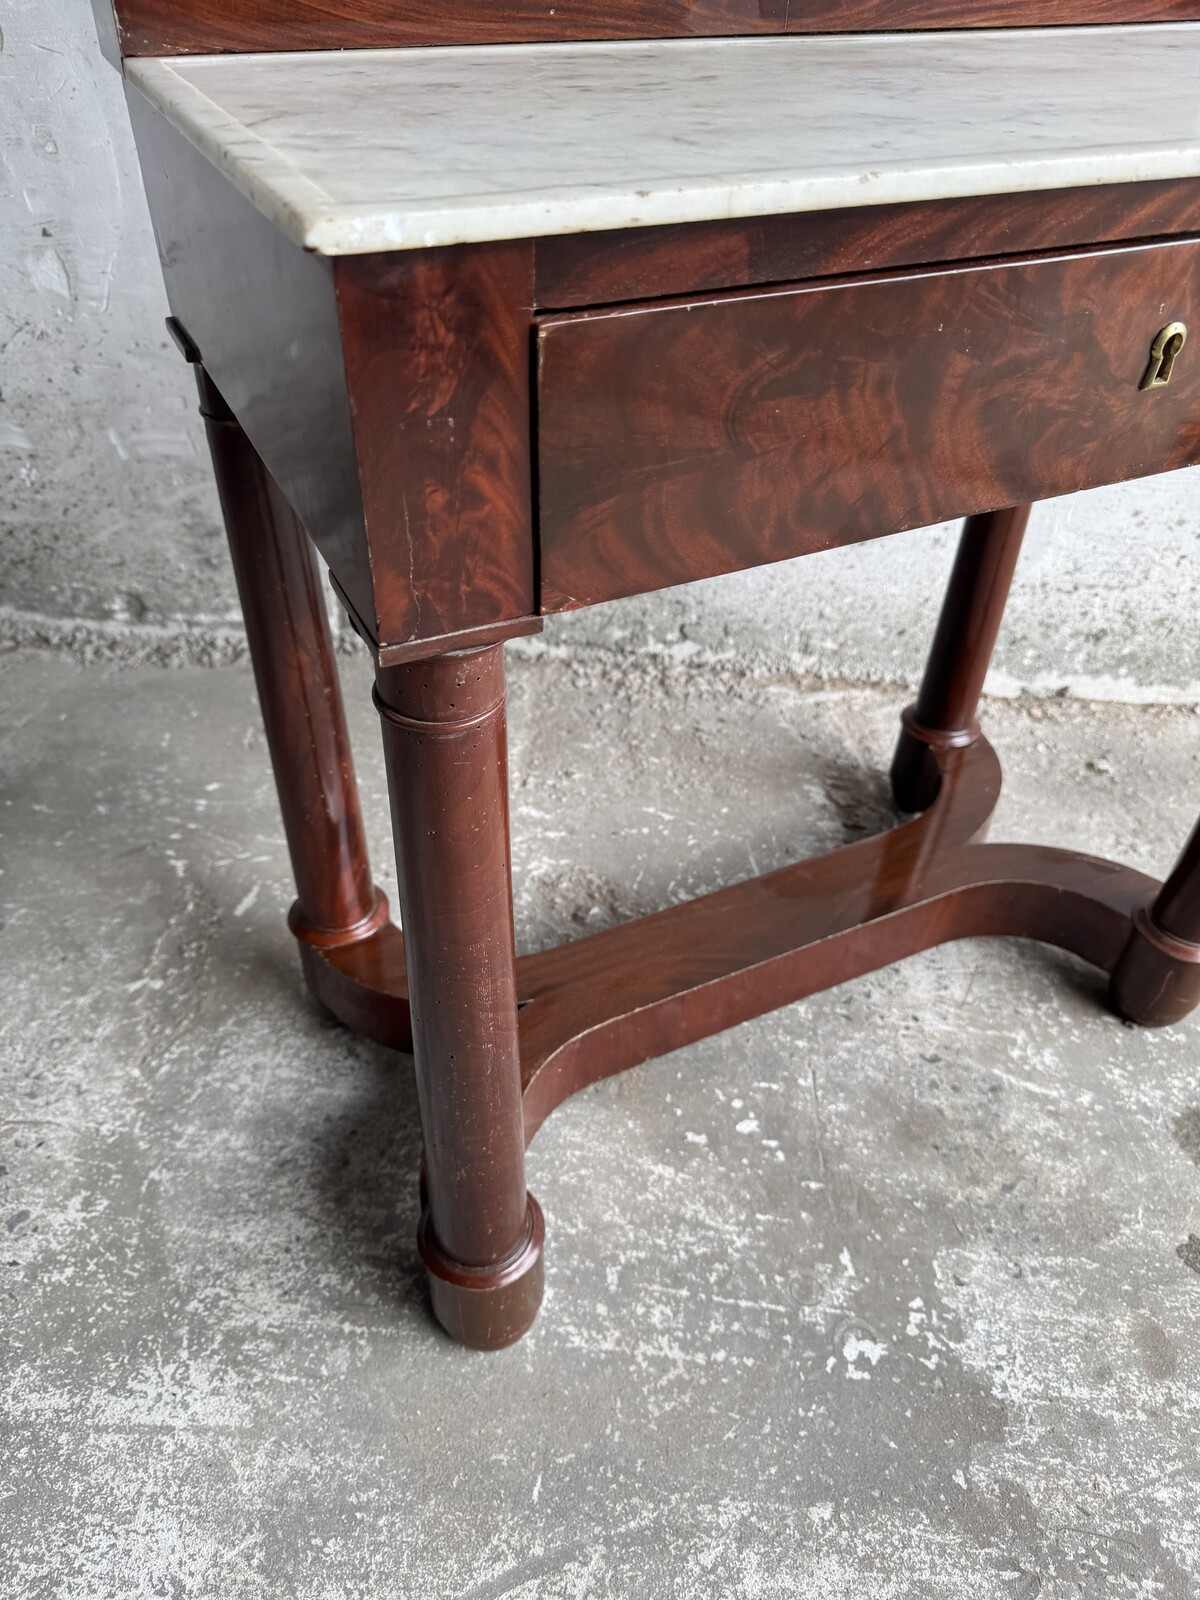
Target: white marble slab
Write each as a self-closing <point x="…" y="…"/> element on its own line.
<point x="360" y="151"/>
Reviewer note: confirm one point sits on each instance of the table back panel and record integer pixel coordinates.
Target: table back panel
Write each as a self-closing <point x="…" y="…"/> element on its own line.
<point x="190" y="27"/>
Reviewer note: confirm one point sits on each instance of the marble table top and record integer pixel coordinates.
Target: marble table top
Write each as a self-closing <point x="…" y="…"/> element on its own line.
<point x="359" y="151"/>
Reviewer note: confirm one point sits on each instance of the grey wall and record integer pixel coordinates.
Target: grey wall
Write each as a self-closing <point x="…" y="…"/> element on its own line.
<point x="109" y="536"/>
<point x="106" y="508"/>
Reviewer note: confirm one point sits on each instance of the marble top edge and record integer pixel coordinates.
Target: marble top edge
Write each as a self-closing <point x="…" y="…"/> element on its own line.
<point x="342" y="231"/>
<point x="314" y="139"/>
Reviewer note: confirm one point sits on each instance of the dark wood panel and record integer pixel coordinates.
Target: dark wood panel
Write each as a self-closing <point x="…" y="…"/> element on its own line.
<point x="168" y="27"/>
<point x="437" y="351"/>
<point x="298" y="690"/>
<point x="388" y="396"/>
<point x="698" y="437"/>
<point x="602" y="1004"/>
<point x="623" y="996"/>
<point x="445" y="747"/>
<point x="946" y="713"/>
<point x="590" y="269"/>
<point x="263" y="315"/>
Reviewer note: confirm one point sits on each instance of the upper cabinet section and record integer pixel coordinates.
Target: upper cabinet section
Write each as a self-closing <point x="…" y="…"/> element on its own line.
<point x="197" y="27"/>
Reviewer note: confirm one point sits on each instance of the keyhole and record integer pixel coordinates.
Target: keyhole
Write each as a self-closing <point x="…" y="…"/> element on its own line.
<point x="1170" y="350"/>
<point x="1168" y="342"/>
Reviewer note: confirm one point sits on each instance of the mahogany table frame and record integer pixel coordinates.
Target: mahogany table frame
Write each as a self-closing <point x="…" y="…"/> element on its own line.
<point x="391" y="345"/>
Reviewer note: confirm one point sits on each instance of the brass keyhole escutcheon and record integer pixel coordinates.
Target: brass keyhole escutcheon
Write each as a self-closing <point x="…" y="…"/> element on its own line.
<point x="1168" y="342"/>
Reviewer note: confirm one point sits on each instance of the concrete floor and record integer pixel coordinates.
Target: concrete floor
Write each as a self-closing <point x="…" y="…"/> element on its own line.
<point x="895" y="1292"/>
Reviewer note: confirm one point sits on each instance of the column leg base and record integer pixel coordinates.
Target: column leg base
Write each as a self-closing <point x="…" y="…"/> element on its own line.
<point x="916" y="774"/>
<point x="486" y="1308"/>
<point x="357" y="974"/>
<point x="1156" y="981"/>
<point x="333" y="938"/>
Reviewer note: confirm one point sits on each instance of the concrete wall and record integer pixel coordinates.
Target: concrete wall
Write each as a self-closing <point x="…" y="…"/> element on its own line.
<point x="106" y="507"/>
<point x="109" y="533"/>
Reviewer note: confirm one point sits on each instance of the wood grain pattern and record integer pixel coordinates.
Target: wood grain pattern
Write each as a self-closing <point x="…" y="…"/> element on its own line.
<point x="364" y="985"/>
<point x="604" y="1003"/>
<point x="699" y="437"/>
<point x="616" y="999"/>
<point x="298" y="690"/>
<point x="1157" y="981"/>
<point x="173" y="27"/>
<point x="945" y="715"/>
<point x="437" y="353"/>
<point x="387" y="395"/>
<point x="394" y="655"/>
<point x="593" y="269"/>
<point x="445" y="749"/>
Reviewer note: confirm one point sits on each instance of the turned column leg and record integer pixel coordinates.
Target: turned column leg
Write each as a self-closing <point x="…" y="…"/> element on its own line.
<point x="1157" y="979"/>
<point x="298" y="690"/>
<point x="481" y="1233"/>
<point x="944" y="716"/>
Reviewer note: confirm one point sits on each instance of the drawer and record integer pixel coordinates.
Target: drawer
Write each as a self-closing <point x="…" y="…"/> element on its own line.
<point x="683" y="439"/>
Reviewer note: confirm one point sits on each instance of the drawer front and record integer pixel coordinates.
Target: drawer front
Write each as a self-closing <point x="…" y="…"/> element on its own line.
<point x="678" y="441"/>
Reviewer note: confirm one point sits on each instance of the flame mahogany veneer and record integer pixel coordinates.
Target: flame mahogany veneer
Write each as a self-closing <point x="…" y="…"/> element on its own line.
<point x="473" y="436"/>
<point x="682" y="440"/>
<point x="167" y="27"/>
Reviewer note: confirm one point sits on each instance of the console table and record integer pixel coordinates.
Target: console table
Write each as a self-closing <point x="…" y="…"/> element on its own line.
<point x="515" y="308"/>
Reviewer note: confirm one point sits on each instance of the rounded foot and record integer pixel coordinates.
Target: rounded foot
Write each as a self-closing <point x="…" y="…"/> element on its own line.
<point x="486" y="1308"/>
<point x="1157" y="979"/>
